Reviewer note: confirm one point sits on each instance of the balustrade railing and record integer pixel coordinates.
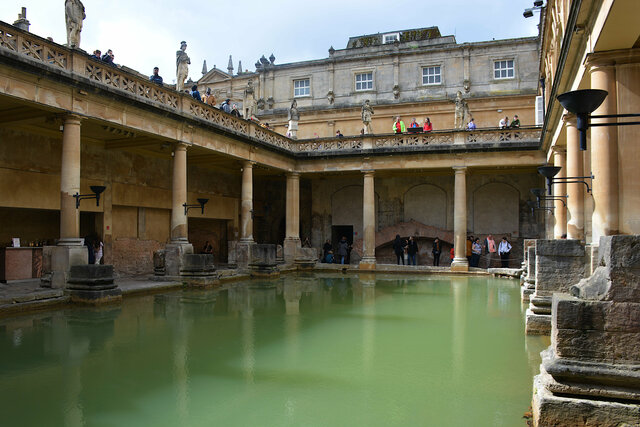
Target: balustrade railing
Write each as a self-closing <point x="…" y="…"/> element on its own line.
<point x="79" y="63"/>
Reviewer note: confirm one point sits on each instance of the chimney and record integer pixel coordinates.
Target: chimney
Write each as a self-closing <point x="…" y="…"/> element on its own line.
<point x="22" y="22"/>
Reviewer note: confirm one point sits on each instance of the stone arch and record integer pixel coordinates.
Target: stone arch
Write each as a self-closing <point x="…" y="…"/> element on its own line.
<point x="427" y="204"/>
<point x="496" y="209"/>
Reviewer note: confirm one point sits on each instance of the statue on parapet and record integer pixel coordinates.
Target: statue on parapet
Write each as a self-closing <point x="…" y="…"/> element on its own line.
<point x="462" y="114"/>
<point x="294" y="117"/>
<point x="182" y="66"/>
<point x="367" y="112"/>
<point x="249" y="104"/>
<point x="74" y="15"/>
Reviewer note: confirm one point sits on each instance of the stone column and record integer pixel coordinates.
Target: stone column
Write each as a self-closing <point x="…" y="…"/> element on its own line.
<point x="179" y="244"/>
<point x="368" y="261"/>
<point x="179" y="230"/>
<point x="70" y="249"/>
<point x="604" y="157"/>
<point x="243" y="255"/>
<point x="575" y="191"/>
<point x="560" y="190"/>
<point x="292" y="237"/>
<point x="460" y="262"/>
<point x="70" y="183"/>
<point x="246" y="203"/>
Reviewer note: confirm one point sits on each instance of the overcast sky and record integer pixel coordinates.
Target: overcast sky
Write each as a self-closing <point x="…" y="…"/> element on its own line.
<point x="144" y="33"/>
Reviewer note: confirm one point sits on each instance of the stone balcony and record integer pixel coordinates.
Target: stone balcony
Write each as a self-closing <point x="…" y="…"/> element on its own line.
<point x="38" y="55"/>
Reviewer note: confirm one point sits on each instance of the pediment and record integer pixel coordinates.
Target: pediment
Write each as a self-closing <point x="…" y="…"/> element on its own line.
<point x="213" y="76"/>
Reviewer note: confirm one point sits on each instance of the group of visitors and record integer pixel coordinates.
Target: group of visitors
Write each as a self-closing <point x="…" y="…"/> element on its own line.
<point x="409" y="247"/>
<point x="399" y="126"/>
<point x="343" y="252"/>
<point x="504" y="123"/>
<point x="107" y="57"/>
<point x="475" y="249"/>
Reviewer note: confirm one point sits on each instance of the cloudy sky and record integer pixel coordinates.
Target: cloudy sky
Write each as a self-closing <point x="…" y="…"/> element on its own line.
<point x="144" y="33"/>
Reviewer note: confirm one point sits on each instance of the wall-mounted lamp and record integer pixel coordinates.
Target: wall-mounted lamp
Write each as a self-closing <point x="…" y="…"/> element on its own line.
<point x="539" y="193"/>
<point x="537" y="5"/>
<point x="536" y="207"/>
<point x="550" y="172"/>
<point x="201" y="203"/>
<point x="582" y="103"/>
<point x="97" y="190"/>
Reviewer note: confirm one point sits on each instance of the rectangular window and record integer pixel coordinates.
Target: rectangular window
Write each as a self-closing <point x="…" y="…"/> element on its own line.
<point x="503" y="69"/>
<point x="539" y="111"/>
<point x="431" y="75"/>
<point x="390" y="38"/>
<point x="301" y="87"/>
<point x="364" y="81"/>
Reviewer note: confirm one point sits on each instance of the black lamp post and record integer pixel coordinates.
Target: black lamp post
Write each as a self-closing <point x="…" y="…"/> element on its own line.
<point x="550" y="172"/>
<point x="582" y="103"/>
<point x="201" y="203"/>
<point x="97" y="190"/>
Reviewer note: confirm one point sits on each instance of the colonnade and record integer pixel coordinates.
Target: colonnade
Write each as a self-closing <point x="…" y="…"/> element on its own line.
<point x="603" y="158"/>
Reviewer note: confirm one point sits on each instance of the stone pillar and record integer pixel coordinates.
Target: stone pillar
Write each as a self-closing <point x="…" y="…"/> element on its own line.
<point x="179" y="244"/>
<point x="560" y="190"/>
<point x="460" y="262"/>
<point x="70" y="249"/>
<point x="575" y="191"/>
<point x="529" y="285"/>
<point x="368" y="261"/>
<point x="243" y="256"/>
<point x="604" y="157"/>
<point x="292" y="238"/>
<point x="559" y="264"/>
<point x="589" y="374"/>
<point x="179" y="229"/>
<point x="70" y="183"/>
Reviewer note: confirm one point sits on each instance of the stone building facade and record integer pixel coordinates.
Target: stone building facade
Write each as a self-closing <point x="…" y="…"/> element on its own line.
<point x="411" y="73"/>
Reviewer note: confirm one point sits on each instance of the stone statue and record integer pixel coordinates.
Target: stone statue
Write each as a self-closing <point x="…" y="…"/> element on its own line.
<point x="182" y="66"/>
<point x="250" y="105"/>
<point x="462" y="114"/>
<point x="294" y="116"/>
<point x="367" y="112"/>
<point x="74" y="15"/>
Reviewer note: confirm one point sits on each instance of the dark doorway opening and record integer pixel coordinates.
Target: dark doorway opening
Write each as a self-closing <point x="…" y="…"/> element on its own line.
<point x="337" y="231"/>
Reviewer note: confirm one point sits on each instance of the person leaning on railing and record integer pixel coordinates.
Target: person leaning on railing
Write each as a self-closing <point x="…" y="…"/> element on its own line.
<point x="155" y="77"/>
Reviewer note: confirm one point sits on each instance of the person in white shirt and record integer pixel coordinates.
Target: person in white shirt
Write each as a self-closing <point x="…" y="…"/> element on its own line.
<point x="503" y="250"/>
<point x="98" y="251"/>
<point x="504" y="123"/>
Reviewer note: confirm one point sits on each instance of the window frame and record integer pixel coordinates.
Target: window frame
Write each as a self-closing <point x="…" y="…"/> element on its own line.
<point x="440" y="75"/>
<point x="506" y="61"/>
<point x="301" y="79"/>
<point x="384" y="38"/>
<point x="360" y="73"/>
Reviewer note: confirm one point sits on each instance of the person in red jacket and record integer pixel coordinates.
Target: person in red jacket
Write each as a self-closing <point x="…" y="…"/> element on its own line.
<point x="428" y="127"/>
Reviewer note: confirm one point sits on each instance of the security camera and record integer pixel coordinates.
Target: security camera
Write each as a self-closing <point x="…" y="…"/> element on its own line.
<point x="538" y="3"/>
<point x="528" y="13"/>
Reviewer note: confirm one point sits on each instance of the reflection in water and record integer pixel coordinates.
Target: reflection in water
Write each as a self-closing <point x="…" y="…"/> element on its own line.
<point x="375" y="349"/>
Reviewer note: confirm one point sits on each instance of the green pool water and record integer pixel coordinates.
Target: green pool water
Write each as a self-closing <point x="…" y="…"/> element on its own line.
<point x="330" y="350"/>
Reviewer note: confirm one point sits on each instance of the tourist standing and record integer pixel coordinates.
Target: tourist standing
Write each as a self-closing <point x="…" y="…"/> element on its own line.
<point x="343" y="249"/>
<point x="195" y="94"/>
<point x="412" y="250"/>
<point x="413" y="123"/>
<point x="398" y="126"/>
<point x="225" y="106"/>
<point x="428" y="127"/>
<point x="469" y="244"/>
<point x="504" y="123"/>
<point x="503" y="250"/>
<point x="108" y="57"/>
<point x="97" y="249"/>
<point x="235" y="112"/>
<point x="155" y="77"/>
<point x="476" y="251"/>
<point x="398" y="249"/>
<point x="437" y="249"/>
<point x="516" y="122"/>
<point x="490" y="249"/>
<point x="96" y="55"/>
<point x="471" y="125"/>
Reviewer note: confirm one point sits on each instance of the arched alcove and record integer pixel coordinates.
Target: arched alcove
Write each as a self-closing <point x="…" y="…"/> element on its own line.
<point x="496" y="209"/>
<point x="427" y="204"/>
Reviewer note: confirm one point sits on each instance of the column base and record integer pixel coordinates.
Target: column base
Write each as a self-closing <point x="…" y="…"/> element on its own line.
<point x="57" y="261"/>
<point x="460" y="264"/>
<point x="173" y="256"/>
<point x="290" y="248"/>
<point x="243" y="253"/>
<point x="367" y="263"/>
<point x="70" y="241"/>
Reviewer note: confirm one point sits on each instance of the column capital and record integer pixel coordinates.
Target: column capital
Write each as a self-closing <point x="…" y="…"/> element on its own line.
<point x="558" y="150"/>
<point x="181" y="146"/>
<point x="595" y="61"/>
<point x="569" y="119"/>
<point x="368" y="172"/>
<point x="293" y="175"/>
<point x="248" y="164"/>
<point x="71" y="118"/>
<point x="459" y="169"/>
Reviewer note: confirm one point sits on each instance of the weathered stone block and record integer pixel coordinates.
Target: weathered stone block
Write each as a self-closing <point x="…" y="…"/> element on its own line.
<point x="198" y="270"/>
<point x="92" y="284"/>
